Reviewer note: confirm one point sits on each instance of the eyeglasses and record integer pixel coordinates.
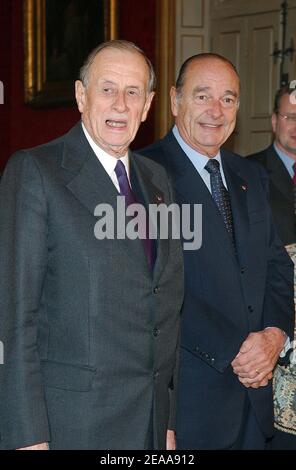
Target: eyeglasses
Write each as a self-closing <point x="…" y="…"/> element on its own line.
<point x="288" y="117"/>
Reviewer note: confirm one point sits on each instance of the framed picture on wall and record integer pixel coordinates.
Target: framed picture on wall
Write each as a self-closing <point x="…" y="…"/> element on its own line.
<point x="58" y="35"/>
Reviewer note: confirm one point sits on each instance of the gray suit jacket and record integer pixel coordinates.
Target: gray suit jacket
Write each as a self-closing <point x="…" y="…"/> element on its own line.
<point x="90" y="335"/>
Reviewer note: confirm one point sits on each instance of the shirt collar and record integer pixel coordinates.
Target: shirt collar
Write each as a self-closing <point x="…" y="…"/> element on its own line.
<point x="287" y="161"/>
<point x="198" y="159"/>
<point x="107" y="160"/>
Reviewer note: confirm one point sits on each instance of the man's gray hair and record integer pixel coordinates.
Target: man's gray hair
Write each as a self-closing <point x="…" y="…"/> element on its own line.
<point x="122" y="45"/>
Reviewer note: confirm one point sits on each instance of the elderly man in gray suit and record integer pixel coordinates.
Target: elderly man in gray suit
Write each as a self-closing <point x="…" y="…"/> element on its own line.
<point x="89" y="326"/>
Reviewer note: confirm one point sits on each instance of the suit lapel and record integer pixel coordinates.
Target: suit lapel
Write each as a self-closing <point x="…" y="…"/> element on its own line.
<point x="237" y="188"/>
<point x="146" y="188"/>
<point x="91" y="185"/>
<point x="278" y="174"/>
<point x="191" y="189"/>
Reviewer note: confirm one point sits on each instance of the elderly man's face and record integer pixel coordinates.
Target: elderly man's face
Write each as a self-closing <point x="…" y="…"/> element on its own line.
<point x="285" y="128"/>
<point x="115" y="100"/>
<point x="206" y="110"/>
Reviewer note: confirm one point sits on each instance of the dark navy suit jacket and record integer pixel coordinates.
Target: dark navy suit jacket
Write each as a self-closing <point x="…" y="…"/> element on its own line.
<point x="281" y="193"/>
<point x="227" y="296"/>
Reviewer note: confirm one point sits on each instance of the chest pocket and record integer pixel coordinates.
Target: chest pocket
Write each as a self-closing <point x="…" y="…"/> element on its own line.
<point x="257" y="216"/>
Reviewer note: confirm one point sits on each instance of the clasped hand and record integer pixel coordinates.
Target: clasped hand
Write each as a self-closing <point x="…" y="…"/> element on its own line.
<point x="258" y="356"/>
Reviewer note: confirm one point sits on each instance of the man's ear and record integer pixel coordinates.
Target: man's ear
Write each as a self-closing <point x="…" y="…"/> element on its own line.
<point x="174" y="101"/>
<point x="274" y="119"/>
<point x="147" y="106"/>
<point x="80" y="95"/>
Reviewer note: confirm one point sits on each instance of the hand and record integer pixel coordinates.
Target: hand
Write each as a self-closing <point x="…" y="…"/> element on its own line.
<point x="171" y="440"/>
<point x="42" y="446"/>
<point x="258" y="384"/>
<point x="258" y="356"/>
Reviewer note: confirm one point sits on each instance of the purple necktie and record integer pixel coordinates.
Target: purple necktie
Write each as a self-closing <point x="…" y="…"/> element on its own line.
<point x="294" y="176"/>
<point x="130" y="198"/>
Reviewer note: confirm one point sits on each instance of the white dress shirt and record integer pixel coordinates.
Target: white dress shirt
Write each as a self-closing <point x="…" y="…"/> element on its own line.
<point x="199" y="160"/>
<point x="108" y="161"/>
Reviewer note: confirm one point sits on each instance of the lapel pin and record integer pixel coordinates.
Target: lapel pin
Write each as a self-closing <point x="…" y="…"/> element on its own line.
<point x="159" y="198"/>
<point x="244" y="188"/>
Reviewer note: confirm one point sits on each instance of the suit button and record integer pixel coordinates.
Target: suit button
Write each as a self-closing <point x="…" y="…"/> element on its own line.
<point x="250" y="308"/>
<point x="156" y="374"/>
<point x="155" y="332"/>
<point x="212" y="360"/>
<point x="243" y="270"/>
<point x="196" y="348"/>
<point x="156" y="290"/>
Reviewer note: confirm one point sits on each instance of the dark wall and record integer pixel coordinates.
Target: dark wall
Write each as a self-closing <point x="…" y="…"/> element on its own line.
<point x="138" y="24"/>
<point x="22" y="126"/>
<point x="5" y="65"/>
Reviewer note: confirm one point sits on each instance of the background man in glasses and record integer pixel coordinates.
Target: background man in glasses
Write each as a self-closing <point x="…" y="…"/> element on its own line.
<point x="280" y="162"/>
<point x="279" y="159"/>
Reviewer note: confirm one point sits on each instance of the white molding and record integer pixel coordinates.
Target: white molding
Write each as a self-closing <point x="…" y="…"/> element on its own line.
<point x="230" y="8"/>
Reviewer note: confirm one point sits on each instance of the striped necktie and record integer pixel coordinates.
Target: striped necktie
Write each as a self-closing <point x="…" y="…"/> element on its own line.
<point x="220" y="195"/>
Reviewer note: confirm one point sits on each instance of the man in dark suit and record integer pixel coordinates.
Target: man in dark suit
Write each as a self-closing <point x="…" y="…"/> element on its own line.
<point x="89" y="325"/>
<point x="238" y="306"/>
<point x="279" y="159"/>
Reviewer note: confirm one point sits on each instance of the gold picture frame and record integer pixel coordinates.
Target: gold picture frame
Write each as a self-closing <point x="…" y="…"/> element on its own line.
<point x="51" y="64"/>
<point x="165" y="64"/>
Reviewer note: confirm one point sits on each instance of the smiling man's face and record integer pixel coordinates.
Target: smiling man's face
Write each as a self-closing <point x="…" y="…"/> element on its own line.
<point x="206" y="107"/>
<point x="115" y="99"/>
<point x="284" y="128"/>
